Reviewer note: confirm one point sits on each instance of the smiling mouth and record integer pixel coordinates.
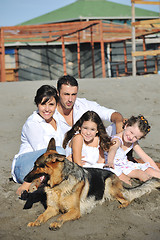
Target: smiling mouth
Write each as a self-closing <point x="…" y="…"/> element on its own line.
<point x="129" y="139"/>
<point x="87" y="136"/>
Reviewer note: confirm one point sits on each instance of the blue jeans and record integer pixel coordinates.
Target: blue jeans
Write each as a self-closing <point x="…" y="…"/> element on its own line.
<point x="25" y="162"/>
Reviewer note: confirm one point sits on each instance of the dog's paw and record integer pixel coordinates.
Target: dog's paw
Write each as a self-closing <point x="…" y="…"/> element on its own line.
<point x="55" y="226"/>
<point x="33" y="224"/>
<point x="124" y="205"/>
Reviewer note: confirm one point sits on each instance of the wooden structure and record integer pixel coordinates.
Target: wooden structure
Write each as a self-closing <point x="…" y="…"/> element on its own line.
<point x="141" y="25"/>
<point x="74" y="32"/>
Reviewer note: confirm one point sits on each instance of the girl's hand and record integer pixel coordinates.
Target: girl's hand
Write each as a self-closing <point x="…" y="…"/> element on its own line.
<point x="70" y="158"/>
<point x="83" y="162"/>
<point x="109" y="164"/>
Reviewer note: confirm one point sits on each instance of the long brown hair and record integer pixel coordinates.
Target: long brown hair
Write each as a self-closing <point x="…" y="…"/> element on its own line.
<point x="105" y="140"/>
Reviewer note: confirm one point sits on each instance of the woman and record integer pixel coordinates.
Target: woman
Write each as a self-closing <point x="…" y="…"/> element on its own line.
<point x="39" y="128"/>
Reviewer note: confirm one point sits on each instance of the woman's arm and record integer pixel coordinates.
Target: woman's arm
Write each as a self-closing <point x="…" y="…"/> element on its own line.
<point x="144" y="156"/>
<point x="33" y="133"/>
<point x="77" y="143"/>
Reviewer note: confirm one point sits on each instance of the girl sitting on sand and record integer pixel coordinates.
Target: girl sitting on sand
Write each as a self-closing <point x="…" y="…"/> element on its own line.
<point x="135" y="128"/>
<point x="87" y="140"/>
<point x="39" y="128"/>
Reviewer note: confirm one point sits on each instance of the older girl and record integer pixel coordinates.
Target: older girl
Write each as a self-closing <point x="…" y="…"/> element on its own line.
<point x="87" y="140"/>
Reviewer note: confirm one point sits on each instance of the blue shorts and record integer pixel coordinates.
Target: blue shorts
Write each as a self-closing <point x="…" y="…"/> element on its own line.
<point x="25" y="162"/>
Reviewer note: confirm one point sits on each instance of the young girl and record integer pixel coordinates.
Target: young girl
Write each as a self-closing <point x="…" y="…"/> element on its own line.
<point x="87" y="140"/>
<point x="135" y="128"/>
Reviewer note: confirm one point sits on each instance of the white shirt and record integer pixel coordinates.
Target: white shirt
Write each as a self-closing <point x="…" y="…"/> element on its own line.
<point x="36" y="134"/>
<point x="81" y="106"/>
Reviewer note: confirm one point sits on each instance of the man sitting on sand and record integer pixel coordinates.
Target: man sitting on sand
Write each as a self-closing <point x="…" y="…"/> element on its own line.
<point x="70" y="108"/>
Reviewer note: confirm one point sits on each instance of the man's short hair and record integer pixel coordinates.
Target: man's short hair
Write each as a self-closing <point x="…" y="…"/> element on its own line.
<point x="66" y="80"/>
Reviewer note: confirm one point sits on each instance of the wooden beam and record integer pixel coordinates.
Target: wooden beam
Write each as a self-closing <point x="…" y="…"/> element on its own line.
<point x="145" y="58"/>
<point x="78" y="55"/>
<point x="64" y="56"/>
<point x="2" y="56"/>
<point x="125" y="57"/>
<point x="145" y="2"/>
<point x="102" y="51"/>
<point x="17" y="63"/>
<point x="92" y="46"/>
<point x="146" y="22"/>
<point x="133" y="43"/>
<point x="146" y="53"/>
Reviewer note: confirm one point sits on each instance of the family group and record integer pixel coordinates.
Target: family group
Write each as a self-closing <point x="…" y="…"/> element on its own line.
<point x="77" y="126"/>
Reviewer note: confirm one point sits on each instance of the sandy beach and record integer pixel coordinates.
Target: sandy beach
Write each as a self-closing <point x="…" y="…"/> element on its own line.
<point x="128" y="95"/>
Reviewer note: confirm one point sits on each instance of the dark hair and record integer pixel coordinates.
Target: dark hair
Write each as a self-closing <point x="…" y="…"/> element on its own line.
<point x="47" y="92"/>
<point x="105" y="140"/>
<point x="66" y="80"/>
<point x="142" y="122"/>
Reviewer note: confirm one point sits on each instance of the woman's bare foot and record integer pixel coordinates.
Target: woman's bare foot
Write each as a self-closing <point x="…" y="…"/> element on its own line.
<point x="23" y="187"/>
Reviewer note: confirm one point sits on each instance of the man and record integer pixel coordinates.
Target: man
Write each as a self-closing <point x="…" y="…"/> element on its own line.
<point x="70" y="108"/>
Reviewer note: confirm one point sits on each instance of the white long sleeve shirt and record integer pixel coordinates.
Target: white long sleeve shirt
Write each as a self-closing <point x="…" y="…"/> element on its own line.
<point x="36" y="134"/>
<point x="81" y="106"/>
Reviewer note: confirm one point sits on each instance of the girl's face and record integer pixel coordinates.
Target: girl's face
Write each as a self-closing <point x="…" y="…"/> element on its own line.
<point x="47" y="110"/>
<point x="88" y="130"/>
<point x="132" y="133"/>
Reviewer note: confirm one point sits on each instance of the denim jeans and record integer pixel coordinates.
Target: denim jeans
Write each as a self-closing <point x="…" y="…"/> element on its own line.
<point x="25" y="162"/>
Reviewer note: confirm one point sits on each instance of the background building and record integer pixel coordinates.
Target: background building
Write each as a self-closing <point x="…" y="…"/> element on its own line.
<point x="85" y="55"/>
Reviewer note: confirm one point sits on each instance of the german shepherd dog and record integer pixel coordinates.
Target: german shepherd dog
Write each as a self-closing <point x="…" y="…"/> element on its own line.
<point x="74" y="191"/>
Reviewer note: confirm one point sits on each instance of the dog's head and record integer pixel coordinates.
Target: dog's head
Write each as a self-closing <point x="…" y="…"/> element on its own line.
<point x="49" y="164"/>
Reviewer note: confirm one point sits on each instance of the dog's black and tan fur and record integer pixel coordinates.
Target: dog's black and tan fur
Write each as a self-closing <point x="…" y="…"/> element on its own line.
<point x="73" y="190"/>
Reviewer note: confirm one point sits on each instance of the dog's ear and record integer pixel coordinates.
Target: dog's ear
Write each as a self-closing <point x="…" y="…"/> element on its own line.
<point x="58" y="158"/>
<point x="51" y="145"/>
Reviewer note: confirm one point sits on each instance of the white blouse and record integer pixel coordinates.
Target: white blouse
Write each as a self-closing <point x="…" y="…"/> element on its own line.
<point x="36" y="134"/>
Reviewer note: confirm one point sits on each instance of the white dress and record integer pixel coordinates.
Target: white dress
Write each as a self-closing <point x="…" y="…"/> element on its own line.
<point x="122" y="164"/>
<point x="90" y="155"/>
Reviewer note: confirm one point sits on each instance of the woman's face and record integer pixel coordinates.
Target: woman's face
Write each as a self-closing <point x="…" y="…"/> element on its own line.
<point x="47" y="110"/>
<point x="88" y="130"/>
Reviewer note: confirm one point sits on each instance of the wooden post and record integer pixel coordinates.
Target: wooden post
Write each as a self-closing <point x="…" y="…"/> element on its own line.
<point x="17" y="63"/>
<point x="125" y="57"/>
<point x="145" y="58"/>
<point x="2" y="56"/>
<point x="102" y="51"/>
<point x="109" y="60"/>
<point x="117" y="70"/>
<point x="133" y="42"/>
<point x="64" y="56"/>
<point x="92" y="46"/>
<point x="78" y="54"/>
<point x="156" y="64"/>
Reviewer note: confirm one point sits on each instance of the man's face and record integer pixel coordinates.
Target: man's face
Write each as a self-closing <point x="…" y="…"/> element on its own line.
<point x="67" y="96"/>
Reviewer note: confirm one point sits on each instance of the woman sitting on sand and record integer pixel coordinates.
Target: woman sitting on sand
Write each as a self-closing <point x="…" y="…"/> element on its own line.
<point x="39" y="128"/>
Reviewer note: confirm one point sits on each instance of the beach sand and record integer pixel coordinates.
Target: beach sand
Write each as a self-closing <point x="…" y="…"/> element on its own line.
<point x="128" y="95"/>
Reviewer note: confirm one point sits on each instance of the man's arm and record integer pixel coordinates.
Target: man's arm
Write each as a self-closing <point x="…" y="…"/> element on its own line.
<point x="117" y="118"/>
